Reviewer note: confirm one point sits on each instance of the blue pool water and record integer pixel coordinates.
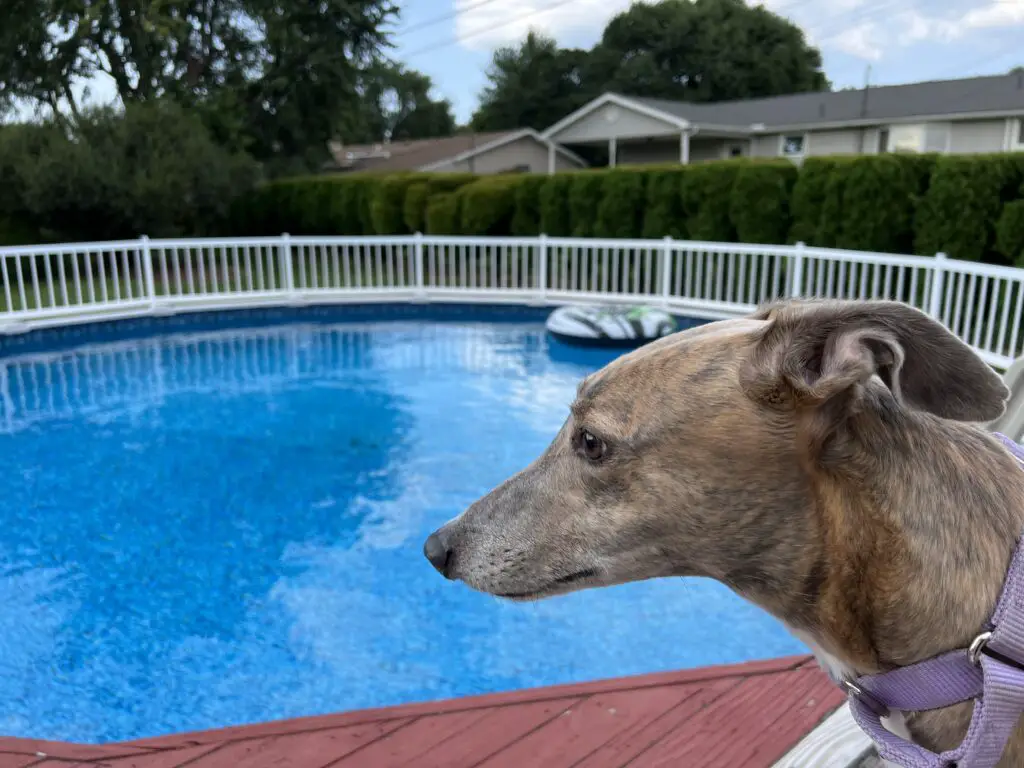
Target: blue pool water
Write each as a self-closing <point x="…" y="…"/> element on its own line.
<point x="211" y="527"/>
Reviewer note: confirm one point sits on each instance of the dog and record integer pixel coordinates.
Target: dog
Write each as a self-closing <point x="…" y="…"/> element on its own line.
<point x="826" y="460"/>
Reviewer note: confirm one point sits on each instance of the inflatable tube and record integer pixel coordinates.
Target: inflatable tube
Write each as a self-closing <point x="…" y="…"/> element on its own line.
<point x="609" y="326"/>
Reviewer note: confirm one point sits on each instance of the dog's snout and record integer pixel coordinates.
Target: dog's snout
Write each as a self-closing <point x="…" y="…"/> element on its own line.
<point x="437" y="551"/>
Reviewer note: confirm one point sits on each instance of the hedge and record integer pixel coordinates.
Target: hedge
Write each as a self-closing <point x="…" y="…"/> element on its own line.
<point x="965" y="197"/>
<point x="962" y="205"/>
<point x="1010" y="233"/>
<point x="759" y="201"/>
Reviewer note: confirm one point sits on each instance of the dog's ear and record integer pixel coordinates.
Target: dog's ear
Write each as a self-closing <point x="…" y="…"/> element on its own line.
<point x="839" y="353"/>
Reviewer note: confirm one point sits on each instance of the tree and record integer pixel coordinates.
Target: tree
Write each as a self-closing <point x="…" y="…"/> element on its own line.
<point x="684" y="50"/>
<point x="532" y="85"/>
<point x="397" y="105"/>
<point x="703" y="50"/>
<point x="151" y="169"/>
<point x="284" y="71"/>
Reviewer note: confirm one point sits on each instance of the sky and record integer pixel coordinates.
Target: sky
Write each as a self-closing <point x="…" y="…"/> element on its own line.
<point x="900" y="40"/>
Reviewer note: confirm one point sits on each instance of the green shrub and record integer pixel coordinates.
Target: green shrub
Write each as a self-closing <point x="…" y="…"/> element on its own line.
<point x="880" y="196"/>
<point x="526" y="219"/>
<point x="443" y="214"/>
<point x="554" y="205"/>
<point x="387" y="206"/>
<point x="808" y="199"/>
<point x="585" y="191"/>
<point x="706" y="194"/>
<point x="414" y="208"/>
<point x="487" y="206"/>
<point x="759" y="204"/>
<point x="663" y="214"/>
<point x="1010" y="233"/>
<point x="958" y="214"/>
<point x="620" y="212"/>
<point x="436" y="184"/>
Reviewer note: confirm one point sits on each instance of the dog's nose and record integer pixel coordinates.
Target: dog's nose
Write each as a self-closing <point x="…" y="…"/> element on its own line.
<point x="438" y="553"/>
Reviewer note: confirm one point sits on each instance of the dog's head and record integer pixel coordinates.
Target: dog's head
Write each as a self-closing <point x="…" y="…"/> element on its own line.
<point x="694" y="454"/>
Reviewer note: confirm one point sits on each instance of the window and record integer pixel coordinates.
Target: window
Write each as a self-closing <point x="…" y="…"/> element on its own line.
<point x="883" y="140"/>
<point x="793" y="146"/>
<point x="1018" y="133"/>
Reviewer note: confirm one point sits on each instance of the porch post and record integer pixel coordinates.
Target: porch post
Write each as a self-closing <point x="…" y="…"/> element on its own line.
<point x="551" y="157"/>
<point x="684" y="147"/>
<point x="613" y="150"/>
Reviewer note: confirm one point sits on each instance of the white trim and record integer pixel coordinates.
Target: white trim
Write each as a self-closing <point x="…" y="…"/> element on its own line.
<point x="501" y="142"/>
<point x="620" y="101"/>
<point x="1015" y="134"/>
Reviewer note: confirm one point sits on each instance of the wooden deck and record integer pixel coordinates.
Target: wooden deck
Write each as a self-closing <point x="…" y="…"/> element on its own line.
<point x="745" y="716"/>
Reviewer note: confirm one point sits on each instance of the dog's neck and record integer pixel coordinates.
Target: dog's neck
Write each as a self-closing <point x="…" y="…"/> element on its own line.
<point x="911" y="544"/>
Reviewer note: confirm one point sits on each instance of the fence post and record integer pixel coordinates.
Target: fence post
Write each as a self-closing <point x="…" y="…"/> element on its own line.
<point x="796" y="279"/>
<point x="421" y="290"/>
<point x="542" y="263"/>
<point x="284" y="256"/>
<point x="147" y="271"/>
<point x="938" y="282"/>
<point x="667" y="252"/>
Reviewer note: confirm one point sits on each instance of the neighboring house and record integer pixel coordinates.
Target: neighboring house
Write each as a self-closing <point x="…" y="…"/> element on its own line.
<point x="981" y="114"/>
<point x="521" y="151"/>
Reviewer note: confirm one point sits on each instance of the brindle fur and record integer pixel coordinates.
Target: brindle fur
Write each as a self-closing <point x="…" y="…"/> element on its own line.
<point x="823" y="459"/>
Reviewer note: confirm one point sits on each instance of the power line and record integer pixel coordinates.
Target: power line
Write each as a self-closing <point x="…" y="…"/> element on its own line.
<point x="490" y="28"/>
<point x="440" y="19"/>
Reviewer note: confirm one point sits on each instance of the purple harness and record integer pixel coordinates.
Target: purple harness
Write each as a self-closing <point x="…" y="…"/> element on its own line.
<point x="991" y="671"/>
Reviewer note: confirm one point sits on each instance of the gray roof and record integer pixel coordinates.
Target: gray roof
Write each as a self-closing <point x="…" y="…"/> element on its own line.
<point x="995" y="94"/>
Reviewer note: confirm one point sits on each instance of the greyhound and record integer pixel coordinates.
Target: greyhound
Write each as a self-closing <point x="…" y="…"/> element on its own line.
<point x="826" y="460"/>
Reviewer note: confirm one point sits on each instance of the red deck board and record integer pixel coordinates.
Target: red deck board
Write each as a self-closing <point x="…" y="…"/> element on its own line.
<point x="500" y="727"/>
<point x="582" y="729"/>
<point x="311" y="749"/>
<point x="633" y="742"/>
<point x="748" y="714"/>
<point x="11" y="760"/>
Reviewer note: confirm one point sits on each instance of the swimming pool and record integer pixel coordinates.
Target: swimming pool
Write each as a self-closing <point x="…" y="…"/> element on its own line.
<point x="221" y="524"/>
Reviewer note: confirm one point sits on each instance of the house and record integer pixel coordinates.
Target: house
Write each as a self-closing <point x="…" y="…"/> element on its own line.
<point x="980" y="114"/>
<point x="524" y="150"/>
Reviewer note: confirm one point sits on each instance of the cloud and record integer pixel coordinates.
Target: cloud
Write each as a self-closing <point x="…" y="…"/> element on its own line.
<point x="866" y="29"/>
<point x="998" y="13"/>
<point x="485" y="25"/>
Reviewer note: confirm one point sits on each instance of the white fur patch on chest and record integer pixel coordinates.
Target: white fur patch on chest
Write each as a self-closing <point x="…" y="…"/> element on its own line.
<point x="895" y="723"/>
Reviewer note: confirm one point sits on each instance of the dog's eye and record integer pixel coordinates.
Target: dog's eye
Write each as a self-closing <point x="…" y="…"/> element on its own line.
<point x="593" y="447"/>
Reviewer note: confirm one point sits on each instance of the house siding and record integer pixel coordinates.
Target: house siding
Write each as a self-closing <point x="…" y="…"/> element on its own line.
<point x="612" y="121"/>
<point x="526" y="152"/>
<point x="765" y="146"/>
<point x="836" y="142"/>
<point x="969" y="136"/>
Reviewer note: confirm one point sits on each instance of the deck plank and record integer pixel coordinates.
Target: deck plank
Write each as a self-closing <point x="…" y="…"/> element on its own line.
<point x="632" y="742"/>
<point x="585" y="727"/>
<point x="499" y="728"/>
<point x="14" y="760"/>
<point x="748" y="715"/>
<point x="738" y="729"/>
<point x="407" y="745"/>
<point x="315" y="749"/>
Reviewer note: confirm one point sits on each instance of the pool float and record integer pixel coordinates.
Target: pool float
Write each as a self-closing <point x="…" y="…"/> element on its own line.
<point x="610" y="326"/>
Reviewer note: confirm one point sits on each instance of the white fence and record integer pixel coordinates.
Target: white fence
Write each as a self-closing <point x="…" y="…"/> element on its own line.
<point x="59" y="284"/>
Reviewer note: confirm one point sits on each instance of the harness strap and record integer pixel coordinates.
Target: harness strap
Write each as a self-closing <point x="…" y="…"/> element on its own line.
<point x="991" y="672"/>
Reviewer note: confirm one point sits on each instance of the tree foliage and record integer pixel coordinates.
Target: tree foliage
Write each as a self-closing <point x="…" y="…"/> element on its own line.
<point x="277" y="78"/>
<point x="685" y="50"/>
<point x="532" y="85"/>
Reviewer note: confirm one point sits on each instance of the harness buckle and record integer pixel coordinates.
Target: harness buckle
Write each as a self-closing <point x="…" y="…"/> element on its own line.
<point x="978" y="646"/>
<point x="854" y="690"/>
